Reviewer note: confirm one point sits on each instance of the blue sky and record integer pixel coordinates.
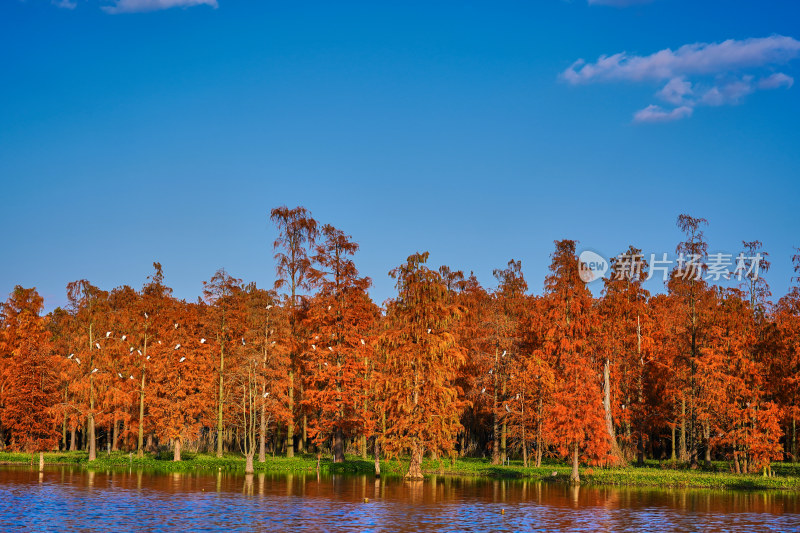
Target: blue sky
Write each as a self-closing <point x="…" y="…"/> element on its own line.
<point x="158" y="130"/>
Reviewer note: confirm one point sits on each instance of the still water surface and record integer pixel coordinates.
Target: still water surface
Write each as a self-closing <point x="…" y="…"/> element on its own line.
<point x="71" y="499"/>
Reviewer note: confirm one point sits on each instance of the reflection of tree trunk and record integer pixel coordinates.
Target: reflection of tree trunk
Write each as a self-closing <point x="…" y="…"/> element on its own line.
<point x="615" y="450"/>
<point x="338" y="446"/>
<point x="575" y="477"/>
<point x="176" y="454"/>
<point x="415" y="468"/>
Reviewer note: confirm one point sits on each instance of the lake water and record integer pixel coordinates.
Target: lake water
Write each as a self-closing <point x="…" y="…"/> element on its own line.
<point x="72" y="499"/>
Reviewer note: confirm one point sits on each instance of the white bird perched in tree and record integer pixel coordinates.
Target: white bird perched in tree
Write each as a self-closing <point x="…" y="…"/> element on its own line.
<point x="326" y="364"/>
<point x="313" y="346"/>
<point x="269" y="306"/>
<point x="93" y="371"/>
<point x="265" y="395"/>
<point x="483" y="390"/>
<point x="97" y="344"/>
<point x="131" y="350"/>
<point x="120" y="375"/>
<point x="159" y="342"/>
<point x="176" y="325"/>
<point x="491" y="370"/>
<point x="202" y="341"/>
<point x="148" y="358"/>
<point x="329" y="308"/>
<point x="182" y="359"/>
<point x="504" y="353"/>
<point x="146" y="315"/>
<point x="316" y="337"/>
<point x="429" y="330"/>
<point x="273" y="343"/>
<point x="130" y="377"/>
<point x="139" y="352"/>
<point x="124" y="337"/>
<point x="77" y="360"/>
<point x="331" y="349"/>
<point x="243" y="343"/>
<point x="108" y="334"/>
<point x="177" y="346"/>
<point x="507" y="409"/>
<point x="362" y="341"/>
<point x="71" y="356"/>
<point x="517" y="398"/>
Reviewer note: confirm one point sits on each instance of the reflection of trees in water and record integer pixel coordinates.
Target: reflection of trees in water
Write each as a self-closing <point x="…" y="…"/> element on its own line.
<point x="436" y="491"/>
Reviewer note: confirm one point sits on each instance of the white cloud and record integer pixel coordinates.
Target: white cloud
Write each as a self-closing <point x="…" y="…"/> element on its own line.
<point x="137" y="6"/>
<point x="690" y="59"/>
<point x="654" y="113"/>
<point x="712" y="74"/>
<point x="776" y="81"/>
<point x="676" y="91"/>
<point x="729" y="93"/>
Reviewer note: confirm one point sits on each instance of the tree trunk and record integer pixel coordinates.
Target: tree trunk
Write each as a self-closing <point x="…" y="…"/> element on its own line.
<point x="683" y="454"/>
<point x="495" y="424"/>
<point x="338" y="446"/>
<point x="503" y="442"/>
<point x="707" y="436"/>
<point x="262" y="437"/>
<point x="72" y="443"/>
<point x="674" y="455"/>
<point x="220" y="397"/>
<point x="415" y="468"/>
<point x="290" y="427"/>
<point x="115" y="436"/>
<point x="176" y="454"/>
<point x="364" y="447"/>
<point x="92" y="439"/>
<point x="615" y="450"/>
<point x="539" y="454"/>
<point x="377" y="458"/>
<point x="524" y="453"/>
<point x="248" y="465"/>
<point x="575" y="477"/>
<point x="140" y="442"/>
<point x="41" y="461"/>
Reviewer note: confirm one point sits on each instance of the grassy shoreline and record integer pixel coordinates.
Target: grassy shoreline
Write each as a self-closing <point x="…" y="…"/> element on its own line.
<point x="653" y="474"/>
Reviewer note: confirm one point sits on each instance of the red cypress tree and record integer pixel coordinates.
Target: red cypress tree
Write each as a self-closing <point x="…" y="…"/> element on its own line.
<point x="31" y="374"/>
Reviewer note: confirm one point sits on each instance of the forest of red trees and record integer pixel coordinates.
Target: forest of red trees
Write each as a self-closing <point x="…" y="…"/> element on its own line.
<point x="446" y="368"/>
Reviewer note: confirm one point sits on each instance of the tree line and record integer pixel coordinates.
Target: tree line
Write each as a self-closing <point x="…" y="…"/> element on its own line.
<point x="446" y="368"/>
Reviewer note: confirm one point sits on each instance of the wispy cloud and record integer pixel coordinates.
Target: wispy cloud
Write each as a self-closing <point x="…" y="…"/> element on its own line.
<point x="65" y="4"/>
<point x="654" y="113"/>
<point x="726" y="72"/>
<point x="138" y="6"/>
